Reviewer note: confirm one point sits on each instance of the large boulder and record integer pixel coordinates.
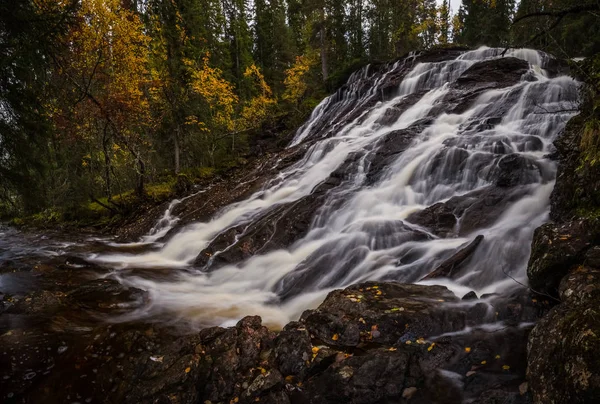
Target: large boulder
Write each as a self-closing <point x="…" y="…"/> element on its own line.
<point x="384" y="313"/>
<point x="494" y="73"/>
<point x="556" y="249"/>
<point x="564" y="347"/>
<point x="465" y="214"/>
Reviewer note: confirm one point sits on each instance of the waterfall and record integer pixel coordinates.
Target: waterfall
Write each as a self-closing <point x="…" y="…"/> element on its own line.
<point x="481" y="155"/>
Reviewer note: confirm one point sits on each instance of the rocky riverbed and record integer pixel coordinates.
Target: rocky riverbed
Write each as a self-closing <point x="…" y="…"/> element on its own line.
<point x="369" y="343"/>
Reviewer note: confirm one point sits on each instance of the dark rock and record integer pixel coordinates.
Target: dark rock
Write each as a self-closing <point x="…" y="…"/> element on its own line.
<point x="369" y="343"/>
<point x="503" y="397"/>
<point x="231" y="358"/>
<point x="391" y="115"/>
<point x="107" y="295"/>
<point x="264" y="384"/>
<point x="496" y="73"/>
<point x="452" y="265"/>
<point x="438" y="218"/>
<point x="462" y="215"/>
<point x="292" y="349"/>
<point x="470" y="296"/>
<point x="383" y="313"/>
<point x="576" y="192"/>
<point x="391" y="145"/>
<point x="445" y="387"/>
<point x="563" y="358"/>
<point x="35" y="303"/>
<point x="378" y="377"/>
<point x="277" y="229"/>
<point x="516" y="169"/>
<point x="592" y="257"/>
<point x="564" y="347"/>
<point x="580" y="286"/>
<point x="556" y="248"/>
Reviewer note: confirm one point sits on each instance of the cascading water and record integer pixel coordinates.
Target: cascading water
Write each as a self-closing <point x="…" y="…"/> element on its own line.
<point x="162" y="227"/>
<point x="445" y="154"/>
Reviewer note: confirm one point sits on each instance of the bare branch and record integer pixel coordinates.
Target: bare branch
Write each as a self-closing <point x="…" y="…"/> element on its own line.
<point x="560" y="13"/>
<point x="530" y="289"/>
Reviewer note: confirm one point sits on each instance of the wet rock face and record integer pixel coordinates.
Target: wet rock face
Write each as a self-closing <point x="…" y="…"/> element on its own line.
<point x="107" y="295"/>
<point x="563" y="358"/>
<point x="493" y="74"/>
<point x="465" y="214"/>
<point x="564" y="347"/>
<point x="385" y="314"/>
<point x="556" y="249"/>
<point x="576" y="191"/>
<point x="515" y="169"/>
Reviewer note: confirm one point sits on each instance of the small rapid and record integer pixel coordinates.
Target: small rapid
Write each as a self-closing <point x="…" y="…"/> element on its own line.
<point x="402" y="140"/>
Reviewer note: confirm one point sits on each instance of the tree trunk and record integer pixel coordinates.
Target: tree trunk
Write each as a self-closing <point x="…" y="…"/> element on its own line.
<point x="322" y="35"/>
<point x="177" y="150"/>
<point x="107" y="163"/>
<point x="141" y="174"/>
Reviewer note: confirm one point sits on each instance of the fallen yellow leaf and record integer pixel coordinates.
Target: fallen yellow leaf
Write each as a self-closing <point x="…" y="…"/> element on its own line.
<point x="431" y="346"/>
<point x="315" y="349"/>
<point x="505" y="367"/>
<point x="187" y="370"/>
<point x="467" y="349"/>
<point x="483" y="362"/>
<point x="393" y="349"/>
<point x="335" y="337"/>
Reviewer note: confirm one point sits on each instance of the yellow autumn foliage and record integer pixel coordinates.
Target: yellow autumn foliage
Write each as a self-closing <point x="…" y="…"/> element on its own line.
<point x="259" y="107"/>
<point x="219" y="94"/>
<point x="295" y="77"/>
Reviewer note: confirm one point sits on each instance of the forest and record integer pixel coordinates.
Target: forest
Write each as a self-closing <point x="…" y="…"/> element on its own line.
<point x="105" y="104"/>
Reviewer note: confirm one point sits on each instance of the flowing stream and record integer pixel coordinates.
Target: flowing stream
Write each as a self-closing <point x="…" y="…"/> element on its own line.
<point x="362" y="231"/>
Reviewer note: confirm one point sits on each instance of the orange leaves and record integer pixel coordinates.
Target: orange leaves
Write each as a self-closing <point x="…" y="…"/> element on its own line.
<point x="105" y="68"/>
